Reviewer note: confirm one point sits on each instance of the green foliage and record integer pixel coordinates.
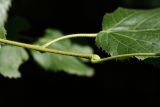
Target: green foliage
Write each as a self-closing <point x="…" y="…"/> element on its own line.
<point x="125" y="31"/>
<point x="4" y="6"/>
<point x="54" y="62"/>
<point x="2" y="33"/>
<point x="11" y="58"/>
<point x="15" y="26"/>
<point x="128" y="31"/>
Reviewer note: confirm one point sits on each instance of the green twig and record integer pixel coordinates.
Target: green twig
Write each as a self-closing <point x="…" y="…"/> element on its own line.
<point x="93" y="57"/>
<point x="42" y="49"/>
<point x="124" y="56"/>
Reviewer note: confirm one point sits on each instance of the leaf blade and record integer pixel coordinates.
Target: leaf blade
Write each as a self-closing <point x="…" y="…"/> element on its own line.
<point x="54" y="62"/>
<point x="132" y="32"/>
<point x="11" y="59"/>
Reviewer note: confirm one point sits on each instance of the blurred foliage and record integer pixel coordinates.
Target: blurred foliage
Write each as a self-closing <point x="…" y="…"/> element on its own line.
<point x="141" y="3"/>
<point x="55" y="62"/>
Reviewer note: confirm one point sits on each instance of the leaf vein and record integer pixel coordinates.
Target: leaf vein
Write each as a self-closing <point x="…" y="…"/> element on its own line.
<point x="123" y="19"/>
<point x="144" y="20"/>
<point x="133" y="40"/>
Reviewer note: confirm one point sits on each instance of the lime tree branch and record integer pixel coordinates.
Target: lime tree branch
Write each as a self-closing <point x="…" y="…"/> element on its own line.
<point x="124" y="56"/>
<point x="70" y="36"/>
<point x="42" y="49"/>
<point x="93" y="57"/>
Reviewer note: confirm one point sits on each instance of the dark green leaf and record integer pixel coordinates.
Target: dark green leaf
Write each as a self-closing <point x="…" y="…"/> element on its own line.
<point x="130" y="31"/>
<point x="2" y="33"/>
<point x="153" y="61"/>
<point x="15" y="28"/>
<point x="11" y="58"/>
<point x="56" y="62"/>
<point x="17" y="25"/>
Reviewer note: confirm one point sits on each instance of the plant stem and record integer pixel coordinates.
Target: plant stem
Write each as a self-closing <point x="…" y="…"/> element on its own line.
<point x="123" y="56"/>
<point x="69" y="36"/>
<point x="42" y="49"/>
<point x="93" y="57"/>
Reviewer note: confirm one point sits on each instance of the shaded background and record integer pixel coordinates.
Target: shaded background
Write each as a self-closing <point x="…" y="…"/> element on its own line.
<point x="113" y="79"/>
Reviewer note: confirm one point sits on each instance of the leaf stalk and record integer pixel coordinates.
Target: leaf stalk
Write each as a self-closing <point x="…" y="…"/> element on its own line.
<point x="70" y="36"/>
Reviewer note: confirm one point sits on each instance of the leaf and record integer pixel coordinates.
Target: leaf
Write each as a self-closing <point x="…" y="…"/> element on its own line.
<point x="56" y="62"/>
<point x="4" y="6"/>
<point x="11" y="58"/>
<point x="153" y="61"/>
<point x="16" y="26"/>
<point x="129" y="31"/>
<point x="2" y="33"/>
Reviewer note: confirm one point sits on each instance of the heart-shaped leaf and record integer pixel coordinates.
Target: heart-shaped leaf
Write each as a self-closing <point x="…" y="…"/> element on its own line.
<point x="127" y="31"/>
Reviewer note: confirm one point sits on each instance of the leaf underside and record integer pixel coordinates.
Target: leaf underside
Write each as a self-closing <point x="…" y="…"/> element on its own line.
<point x="54" y="62"/>
<point x="11" y="58"/>
<point x="127" y="31"/>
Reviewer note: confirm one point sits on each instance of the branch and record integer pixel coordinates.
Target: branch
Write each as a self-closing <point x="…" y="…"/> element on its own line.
<point x="124" y="56"/>
<point x="93" y="57"/>
<point x="42" y="49"/>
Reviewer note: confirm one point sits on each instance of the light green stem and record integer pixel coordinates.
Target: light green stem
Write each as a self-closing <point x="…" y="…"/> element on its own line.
<point x="93" y="57"/>
<point x="123" y="56"/>
<point x="42" y="49"/>
<point x="69" y="36"/>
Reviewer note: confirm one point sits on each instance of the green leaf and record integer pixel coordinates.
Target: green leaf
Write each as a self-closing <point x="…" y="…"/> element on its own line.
<point x="4" y="6"/>
<point x="54" y="62"/>
<point x="129" y="31"/>
<point x="11" y="58"/>
<point x="15" y="28"/>
<point x="153" y="61"/>
<point x="2" y="33"/>
<point x="18" y="24"/>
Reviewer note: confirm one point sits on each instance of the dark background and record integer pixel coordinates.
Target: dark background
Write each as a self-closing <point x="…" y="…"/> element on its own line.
<point x="113" y="79"/>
